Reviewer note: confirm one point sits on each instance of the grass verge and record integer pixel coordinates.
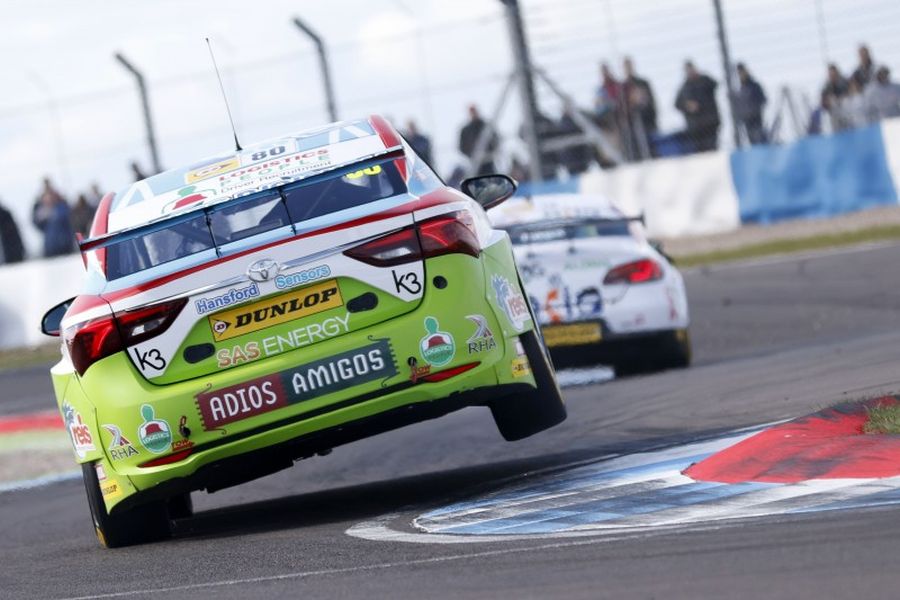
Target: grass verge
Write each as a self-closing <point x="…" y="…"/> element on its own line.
<point x="28" y="357"/>
<point x="883" y="419"/>
<point x="787" y="246"/>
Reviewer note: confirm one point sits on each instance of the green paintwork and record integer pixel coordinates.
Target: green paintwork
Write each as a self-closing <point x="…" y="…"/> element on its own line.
<point x="119" y="392"/>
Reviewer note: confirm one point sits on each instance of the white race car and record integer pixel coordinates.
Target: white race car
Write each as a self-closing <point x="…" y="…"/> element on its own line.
<point x="601" y="291"/>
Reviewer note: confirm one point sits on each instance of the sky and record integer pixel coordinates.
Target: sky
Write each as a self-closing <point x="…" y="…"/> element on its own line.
<point x="71" y="112"/>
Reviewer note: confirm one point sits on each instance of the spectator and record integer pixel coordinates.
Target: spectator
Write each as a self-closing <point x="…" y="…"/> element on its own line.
<point x="609" y="93"/>
<point x="697" y="102"/>
<point x="882" y="96"/>
<point x="136" y="171"/>
<point x="865" y="72"/>
<point x="95" y="195"/>
<point x="51" y="215"/>
<point x="469" y="137"/>
<point x="420" y="142"/>
<point x="11" y="248"/>
<point x="851" y="109"/>
<point x="749" y="104"/>
<point x="833" y="92"/>
<point x="576" y="157"/>
<point x="640" y="111"/>
<point x="82" y="215"/>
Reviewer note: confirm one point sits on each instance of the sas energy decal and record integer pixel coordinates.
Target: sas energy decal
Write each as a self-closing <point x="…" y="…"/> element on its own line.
<point x="303" y="382"/>
<point x="276" y="310"/>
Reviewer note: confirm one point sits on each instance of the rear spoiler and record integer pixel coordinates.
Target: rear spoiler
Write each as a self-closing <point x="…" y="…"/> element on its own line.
<point x="166" y="221"/>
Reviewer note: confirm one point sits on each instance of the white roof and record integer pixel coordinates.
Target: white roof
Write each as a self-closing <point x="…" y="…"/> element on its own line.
<point x="546" y="207"/>
<point x="255" y="168"/>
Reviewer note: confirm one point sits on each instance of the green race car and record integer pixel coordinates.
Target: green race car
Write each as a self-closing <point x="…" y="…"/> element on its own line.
<point x="268" y="305"/>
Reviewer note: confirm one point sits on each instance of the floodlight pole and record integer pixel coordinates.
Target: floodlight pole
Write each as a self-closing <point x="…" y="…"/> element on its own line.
<point x="323" y="65"/>
<point x="526" y="86"/>
<point x="145" y="104"/>
<point x="726" y="66"/>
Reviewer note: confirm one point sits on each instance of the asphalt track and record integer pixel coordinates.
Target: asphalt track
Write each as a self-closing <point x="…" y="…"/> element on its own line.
<point x="772" y="340"/>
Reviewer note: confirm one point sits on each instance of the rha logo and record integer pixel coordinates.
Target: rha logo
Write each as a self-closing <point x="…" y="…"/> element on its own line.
<point x="483" y="338"/>
<point x="119" y="447"/>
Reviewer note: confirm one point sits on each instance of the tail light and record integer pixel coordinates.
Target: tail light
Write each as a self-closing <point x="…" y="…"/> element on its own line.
<point x="639" y="271"/>
<point x="446" y="234"/>
<point x="98" y="338"/>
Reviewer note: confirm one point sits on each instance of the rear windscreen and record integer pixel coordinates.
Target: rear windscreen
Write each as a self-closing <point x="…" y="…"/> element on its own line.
<point x="552" y="232"/>
<point x="243" y="218"/>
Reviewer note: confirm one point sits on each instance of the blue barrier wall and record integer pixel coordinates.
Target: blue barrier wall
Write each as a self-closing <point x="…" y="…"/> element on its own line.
<point x="814" y="177"/>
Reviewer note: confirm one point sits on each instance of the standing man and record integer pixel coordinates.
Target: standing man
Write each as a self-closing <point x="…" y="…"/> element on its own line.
<point x="882" y="97"/>
<point x="696" y="100"/>
<point x="640" y="111"/>
<point x="749" y="104"/>
<point x="468" y="140"/>
<point x="51" y="215"/>
<point x="11" y="248"/>
<point x="420" y="142"/>
<point x="865" y="71"/>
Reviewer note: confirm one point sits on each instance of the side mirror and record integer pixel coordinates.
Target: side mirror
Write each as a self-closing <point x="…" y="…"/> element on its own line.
<point x="51" y="323"/>
<point x="489" y="190"/>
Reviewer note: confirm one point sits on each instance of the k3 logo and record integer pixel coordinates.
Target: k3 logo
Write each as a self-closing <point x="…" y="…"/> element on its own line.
<point x="406" y="282"/>
<point x="151" y="359"/>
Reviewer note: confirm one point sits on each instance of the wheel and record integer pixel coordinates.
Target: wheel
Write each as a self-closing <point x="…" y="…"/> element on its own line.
<point x="520" y="416"/>
<point x="674" y="350"/>
<point x="143" y="523"/>
<point x="180" y="507"/>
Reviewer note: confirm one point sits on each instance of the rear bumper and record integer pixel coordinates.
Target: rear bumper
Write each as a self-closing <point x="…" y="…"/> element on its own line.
<point x="239" y="468"/>
<point x="611" y="349"/>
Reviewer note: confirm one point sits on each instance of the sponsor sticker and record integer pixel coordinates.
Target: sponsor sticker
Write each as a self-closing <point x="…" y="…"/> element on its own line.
<point x="232" y="296"/>
<point x="79" y="432"/>
<point x="575" y="334"/>
<point x="110" y="489"/>
<point x="275" y="310"/>
<point x="299" y="384"/>
<point x="120" y="447"/>
<point x="211" y="170"/>
<point x="511" y="301"/>
<point x="520" y="367"/>
<point x="155" y="434"/>
<point x="292" y="280"/>
<point x="437" y="347"/>
<point x="483" y="338"/>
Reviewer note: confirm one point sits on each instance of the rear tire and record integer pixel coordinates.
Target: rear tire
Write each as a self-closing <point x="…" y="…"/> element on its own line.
<point x="675" y="350"/>
<point x="521" y="416"/>
<point x="144" y="523"/>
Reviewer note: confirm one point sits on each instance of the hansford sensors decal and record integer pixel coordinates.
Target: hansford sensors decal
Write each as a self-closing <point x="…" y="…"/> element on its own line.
<point x="232" y="296"/>
<point x="291" y="280"/>
<point x="304" y="382"/>
<point x="275" y="310"/>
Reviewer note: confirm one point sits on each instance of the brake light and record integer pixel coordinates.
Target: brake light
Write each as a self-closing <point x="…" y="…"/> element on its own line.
<point x="639" y="271"/>
<point x="92" y="340"/>
<point x="392" y="249"/>
<point x="140" y="324"/>
<point x="446" y="234"/>
<point x="96" y="339"/>
<point x="167" y="460"/>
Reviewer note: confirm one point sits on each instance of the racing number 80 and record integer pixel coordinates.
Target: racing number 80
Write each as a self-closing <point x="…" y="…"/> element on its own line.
<point x="373" y="170"/>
